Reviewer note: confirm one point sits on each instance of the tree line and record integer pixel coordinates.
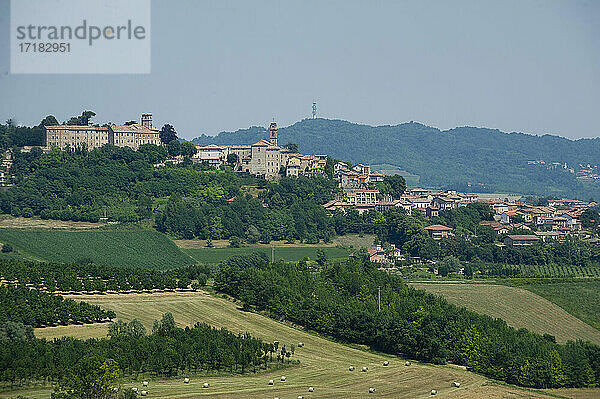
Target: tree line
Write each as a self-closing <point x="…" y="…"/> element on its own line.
<point x="38" y="309"/>
<point x="341" y="301"/>
<point x="89" y="277"/>
<point x="166" y="351"/>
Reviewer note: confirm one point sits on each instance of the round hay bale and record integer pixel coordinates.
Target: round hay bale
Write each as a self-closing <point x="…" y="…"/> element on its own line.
<point x="144" y="393"/>
<point x="283" y="378"/>
<point x="206" y="385"/>
<point x="371" y="390"/>
<point x="134" y="389"/>
<point x="351" y="368"/>
<point x="407" y="363"/>
<point x="145" y="383"/>
<point x="433" y="392"/>
<point x="275" y="342"/>
<point x="271" y="382"/>
<point x="386" y="363"/>
<point x="300" y="344"/>
<point x="186" y="380"/>
<point x="311" y="389"/>
<point x="115" y="389"/>
<point x="364" y="369"/>
<point x="456" y="384"/>
<point x="300" y="397"/>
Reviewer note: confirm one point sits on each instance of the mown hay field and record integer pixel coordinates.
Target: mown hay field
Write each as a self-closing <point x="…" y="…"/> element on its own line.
<point x="518" y="307"/>
<point x="579" y="297"/>
<point x="323" y="364"/>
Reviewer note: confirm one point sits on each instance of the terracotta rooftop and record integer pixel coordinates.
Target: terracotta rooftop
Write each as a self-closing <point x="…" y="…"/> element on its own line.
<point x="134" y="128"/>
<point x="523" y="237"/>
<point x="438" y="227"/>
<point x="75" y="127"/>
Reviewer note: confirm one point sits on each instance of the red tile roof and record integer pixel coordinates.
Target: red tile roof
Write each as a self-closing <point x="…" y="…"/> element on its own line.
<point x="438" y="227"/>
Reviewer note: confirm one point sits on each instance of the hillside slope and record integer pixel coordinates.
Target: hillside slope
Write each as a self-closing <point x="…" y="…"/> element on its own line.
<point x="323" y="364"/>
<point x="518" y="307"/>
<point x="464" y="158"/>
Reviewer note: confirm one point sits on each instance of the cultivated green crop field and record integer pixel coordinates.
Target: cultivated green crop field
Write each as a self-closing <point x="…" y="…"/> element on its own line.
<point x="144" y="248"/>
<point x="558" y="271"/>
<point x="518" y="307"/>
<point x="580" y="298"/>
<point x="323" y="364"/>
<point x="215" y="255"/>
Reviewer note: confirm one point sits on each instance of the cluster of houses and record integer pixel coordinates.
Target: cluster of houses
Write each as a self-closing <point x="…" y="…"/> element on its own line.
<point x="536" y="223"/>
<point x="380" y="255"/>
<point x="583" y="171"/>
<point x="357" y="195"/>
<point x="356" y="183"/>
<point x="588" y="171"/>
<point x="556" y="221"/>
<point x="553" y="222"/>
<point x="263" y="158"/>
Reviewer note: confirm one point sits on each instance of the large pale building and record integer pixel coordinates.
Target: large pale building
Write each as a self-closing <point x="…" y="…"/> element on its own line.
<point x="133" y="135"/>
<point x="73" y="136"/>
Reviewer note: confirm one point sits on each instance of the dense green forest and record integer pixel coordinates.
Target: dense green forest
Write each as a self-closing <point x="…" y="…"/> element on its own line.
<point x="341" y="301"/>
<point x="465" y="158"/>
<point x="167" y="351"/>
<point x="111" y="181"/>
<point x="38" y="309"/>
<point x="293" y="211"/>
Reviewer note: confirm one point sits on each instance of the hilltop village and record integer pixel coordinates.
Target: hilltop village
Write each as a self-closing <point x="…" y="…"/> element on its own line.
<point x="358" y="184"/>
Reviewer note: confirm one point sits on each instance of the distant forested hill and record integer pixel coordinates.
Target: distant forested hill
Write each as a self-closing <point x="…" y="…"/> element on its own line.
<point x="464" y="158"/>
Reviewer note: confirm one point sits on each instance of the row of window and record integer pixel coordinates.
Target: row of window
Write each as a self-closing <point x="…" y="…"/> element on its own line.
<point x="78" y="138"/>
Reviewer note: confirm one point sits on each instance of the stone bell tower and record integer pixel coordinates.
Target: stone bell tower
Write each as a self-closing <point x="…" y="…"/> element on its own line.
<point x="147" y="121"/>
<point x="273" y="133"/>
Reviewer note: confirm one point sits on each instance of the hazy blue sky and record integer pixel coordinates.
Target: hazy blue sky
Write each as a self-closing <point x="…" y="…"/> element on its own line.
<point x="531" y="66"/>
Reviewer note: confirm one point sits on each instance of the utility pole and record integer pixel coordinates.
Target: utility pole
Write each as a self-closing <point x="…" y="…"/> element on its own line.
<point x="379" y="298"/>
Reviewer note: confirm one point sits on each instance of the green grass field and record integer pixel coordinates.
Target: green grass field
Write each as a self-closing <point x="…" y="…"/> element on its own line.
<point x="518" y="307"/>
<point x="215" y="255"/>
<point x="559" y="271"/>
<point x="144" y="248"/>
<point x="323" y="364"/>
<point x="580" y="298"/>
